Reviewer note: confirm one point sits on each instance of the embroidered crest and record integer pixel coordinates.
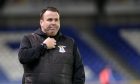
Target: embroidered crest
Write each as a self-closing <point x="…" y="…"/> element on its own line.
<point x="61" y="48"/>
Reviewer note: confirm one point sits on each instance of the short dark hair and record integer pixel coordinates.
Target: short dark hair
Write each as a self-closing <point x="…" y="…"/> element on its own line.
<point x="48" y="9"/>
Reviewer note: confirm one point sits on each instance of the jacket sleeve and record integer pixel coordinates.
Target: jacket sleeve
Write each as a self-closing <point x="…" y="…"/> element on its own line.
<point x="28" y="54"/>
<point x="79" y="73"/>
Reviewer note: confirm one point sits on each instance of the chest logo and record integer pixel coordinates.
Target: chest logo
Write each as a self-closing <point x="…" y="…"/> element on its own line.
<point x="62" y="48"/>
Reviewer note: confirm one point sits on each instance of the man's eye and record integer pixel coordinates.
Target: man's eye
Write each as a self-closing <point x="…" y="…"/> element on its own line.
<point x="49" y="20"/>
<point x="56" y="19"/>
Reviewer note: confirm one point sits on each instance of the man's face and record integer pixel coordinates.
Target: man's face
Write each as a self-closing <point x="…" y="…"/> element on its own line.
<point x="50" y="23"/>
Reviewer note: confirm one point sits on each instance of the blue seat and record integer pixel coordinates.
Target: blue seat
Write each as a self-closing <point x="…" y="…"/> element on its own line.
<point x="111" y="36"/>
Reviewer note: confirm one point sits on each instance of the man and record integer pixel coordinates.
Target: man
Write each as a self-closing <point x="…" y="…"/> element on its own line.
<point x="49" y="57"/>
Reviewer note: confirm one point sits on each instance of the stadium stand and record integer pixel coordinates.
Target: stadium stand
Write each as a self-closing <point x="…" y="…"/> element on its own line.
<point x="112" y="37"/>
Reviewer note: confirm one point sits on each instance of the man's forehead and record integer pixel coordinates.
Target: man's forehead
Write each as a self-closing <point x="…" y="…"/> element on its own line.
<point x="51" y="13"/>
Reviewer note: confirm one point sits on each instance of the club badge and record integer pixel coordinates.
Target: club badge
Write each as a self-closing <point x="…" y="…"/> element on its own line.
<point x="61" y="48"/>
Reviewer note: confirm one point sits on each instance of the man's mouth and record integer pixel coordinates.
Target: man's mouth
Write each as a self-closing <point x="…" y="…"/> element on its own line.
<point x="52" y="29"/>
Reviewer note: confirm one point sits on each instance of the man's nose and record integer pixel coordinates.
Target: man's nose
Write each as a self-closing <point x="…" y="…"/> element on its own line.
<point x="53" y="22"/>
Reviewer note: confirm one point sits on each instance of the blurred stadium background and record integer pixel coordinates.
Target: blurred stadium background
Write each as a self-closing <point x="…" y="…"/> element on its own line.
<point x="107" y="33"/>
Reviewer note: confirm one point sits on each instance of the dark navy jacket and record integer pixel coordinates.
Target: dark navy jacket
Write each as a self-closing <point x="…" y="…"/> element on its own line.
<point x="50" y="66"/>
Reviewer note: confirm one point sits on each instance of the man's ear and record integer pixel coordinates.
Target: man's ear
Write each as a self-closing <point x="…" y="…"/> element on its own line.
<point x="41" y="22"/>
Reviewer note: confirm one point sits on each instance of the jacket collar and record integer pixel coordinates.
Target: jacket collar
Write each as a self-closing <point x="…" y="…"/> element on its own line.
<point x="44" y="35"/>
